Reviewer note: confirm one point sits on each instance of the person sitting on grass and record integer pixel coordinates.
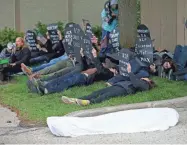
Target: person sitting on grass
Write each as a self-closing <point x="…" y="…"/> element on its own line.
<point x="95" y="72"/>
<point x="21" y="55"/>
<point x="7" y="52"/>
<point x="123" y="88"/>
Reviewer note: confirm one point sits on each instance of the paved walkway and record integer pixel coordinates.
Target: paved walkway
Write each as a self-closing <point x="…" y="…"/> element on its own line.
<point x="11" y="133"/>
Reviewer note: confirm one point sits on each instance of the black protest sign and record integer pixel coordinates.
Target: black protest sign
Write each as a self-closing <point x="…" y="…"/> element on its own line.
<point x="87" y="47"/>
<point x="114" y="41"/>
<point x="53" y="34"/>
<point x="73" y="39"/>
<point x="31" y="40"/>
<point x="124" y="58"/>
<point x="143" y="31"/>
<point x="144" y="50"/>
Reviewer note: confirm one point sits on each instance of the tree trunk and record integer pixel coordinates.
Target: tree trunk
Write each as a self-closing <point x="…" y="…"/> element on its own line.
<point x="127" y="22"/>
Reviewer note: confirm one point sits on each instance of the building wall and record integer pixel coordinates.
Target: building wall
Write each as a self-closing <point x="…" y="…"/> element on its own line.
<point x="161" y="18"/>
<point x="46" y="11"/>
<point x="87" y="9"/>
<point x="7" y="13"/>
<point x="24" y="14"/>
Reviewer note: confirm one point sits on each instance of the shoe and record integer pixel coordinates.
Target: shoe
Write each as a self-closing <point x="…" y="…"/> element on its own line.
<point x="39" y="88"/>
<point x="67" y="100"/>
<point x="82" y="102"/>
<point x="26" y="70"/>
<point x="108" y="84"/>
<point x="46" y="91"/>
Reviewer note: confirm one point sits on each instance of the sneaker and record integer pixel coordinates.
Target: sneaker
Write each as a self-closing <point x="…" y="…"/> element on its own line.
<point x="26" y="69"/>
<point x="36" y="83"/>
<point x="108" y="85"/>
<point x="82" y="102"/>
<point x="67" y="100"/>
<point x="46" y="91"/>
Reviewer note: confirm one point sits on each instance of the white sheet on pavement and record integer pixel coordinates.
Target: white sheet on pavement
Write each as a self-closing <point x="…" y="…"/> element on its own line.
<point x="131" y="121"/>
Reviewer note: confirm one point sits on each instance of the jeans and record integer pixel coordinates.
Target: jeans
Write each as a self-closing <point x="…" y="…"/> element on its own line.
<point x="52" y="62"/>
<point x="62" y="72"/>
<point x="39" y="59"/>
<point x="65" y="82"/>
<point x="104" y="44"/>
<point x="119" y="78"/>
<point x="180" y="57"/>
<point x="105" y="94"/>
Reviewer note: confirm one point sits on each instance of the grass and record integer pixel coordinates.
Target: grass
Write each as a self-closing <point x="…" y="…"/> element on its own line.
<point x="38" y="108"/>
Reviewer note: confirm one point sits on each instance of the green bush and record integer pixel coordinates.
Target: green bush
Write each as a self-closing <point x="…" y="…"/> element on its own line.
<point x="9" y="35"/>
<point x="42" y="28"/>
<point x="97" y="30"/>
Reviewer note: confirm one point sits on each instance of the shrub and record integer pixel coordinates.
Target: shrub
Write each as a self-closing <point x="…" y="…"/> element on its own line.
<point x="9" y="35"/>
<point x="97" y="30"/>
<point x="42" y="28"/>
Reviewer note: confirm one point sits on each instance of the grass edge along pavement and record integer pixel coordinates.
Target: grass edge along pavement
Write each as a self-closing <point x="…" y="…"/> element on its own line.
<point x="32" y="107"/>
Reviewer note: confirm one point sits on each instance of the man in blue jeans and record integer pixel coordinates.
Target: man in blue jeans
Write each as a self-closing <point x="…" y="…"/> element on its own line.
<point x="97" y="72"/>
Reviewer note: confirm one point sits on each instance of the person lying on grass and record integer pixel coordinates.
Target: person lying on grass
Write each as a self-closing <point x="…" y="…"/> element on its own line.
<point x="123" y="88"/>
<point x="176" y="64"/>
<point x="95" y="72"/>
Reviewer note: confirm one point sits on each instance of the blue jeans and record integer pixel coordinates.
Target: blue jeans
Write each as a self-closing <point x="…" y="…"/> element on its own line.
<point x="39" y="59"/>
<point x="62" y="83"/>
<point x="52" y="62"/>
<point x="104" y="45"/>
<point x="180" y="57"/>
<point x="119" y="78"/>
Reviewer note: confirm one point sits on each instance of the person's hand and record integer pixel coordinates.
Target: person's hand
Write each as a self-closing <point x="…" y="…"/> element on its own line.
<point x="44" y="49"/>
<point x="94" y="40"/>
<point x="12" y="64"/>
<point x="128" y="68"/>
<point x="59" y="34"/>
<point x="81" y="52"/>
<point x="94" y="52"/>
<point x="47" y="34"/>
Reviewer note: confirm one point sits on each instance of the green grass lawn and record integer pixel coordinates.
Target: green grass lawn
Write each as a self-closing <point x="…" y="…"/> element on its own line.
<point x="38" y="108"/>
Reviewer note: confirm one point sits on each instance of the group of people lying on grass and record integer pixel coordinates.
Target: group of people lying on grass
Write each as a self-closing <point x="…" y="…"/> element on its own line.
<point x="64" y="74"/>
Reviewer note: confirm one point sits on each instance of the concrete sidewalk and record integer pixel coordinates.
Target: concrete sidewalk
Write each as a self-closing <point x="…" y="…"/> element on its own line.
<point x="12" y="133"/>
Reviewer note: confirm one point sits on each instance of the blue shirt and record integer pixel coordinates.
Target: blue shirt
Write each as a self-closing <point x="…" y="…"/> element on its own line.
<point x="105" y="24"/>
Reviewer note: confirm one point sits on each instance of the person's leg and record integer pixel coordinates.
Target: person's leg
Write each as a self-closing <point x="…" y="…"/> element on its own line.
<point x="116" y="79"/>
<point x="111" y="92"/>
<point x="183" y="58"/>
<point x="177" y="53"/>
<point x="57" y="74"/>
<point x="102" y="95"/>
<point x="12" y="70"/>
<point x="104" y="44"/>
<point x="60" y="84"/>
<point x="56" y="67"/>
<point x="51" y="63"/>
<point x="38" y="59"/>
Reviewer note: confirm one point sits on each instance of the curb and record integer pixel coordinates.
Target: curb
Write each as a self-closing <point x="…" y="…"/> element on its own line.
<point x="173" y="103"/>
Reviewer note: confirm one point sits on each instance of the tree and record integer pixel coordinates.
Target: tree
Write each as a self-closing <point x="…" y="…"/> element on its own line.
<point x="127" y="22"/>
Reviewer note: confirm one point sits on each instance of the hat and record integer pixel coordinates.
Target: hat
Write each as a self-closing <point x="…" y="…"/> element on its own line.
<point x="10" y="45"/>
<point x="113" y="2"/>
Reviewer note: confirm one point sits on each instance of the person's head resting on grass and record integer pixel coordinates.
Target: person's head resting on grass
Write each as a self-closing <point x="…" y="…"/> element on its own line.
<point x="168" y="64"/>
